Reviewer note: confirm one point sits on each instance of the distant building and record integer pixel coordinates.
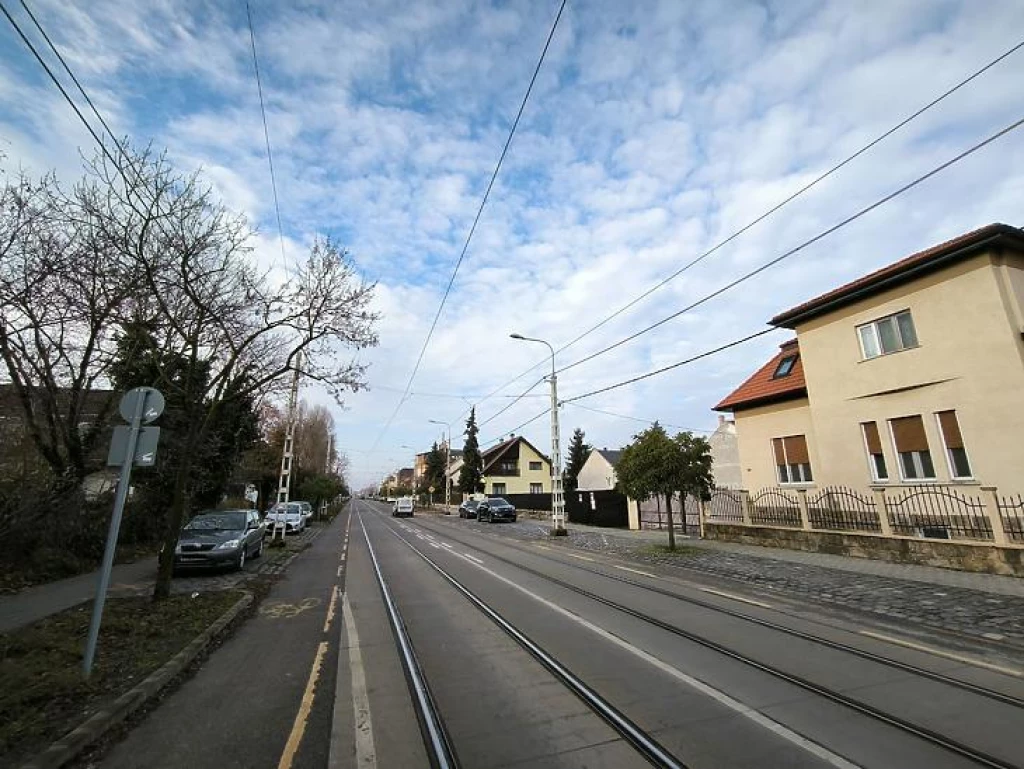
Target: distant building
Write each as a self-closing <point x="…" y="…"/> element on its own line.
<point x="514" y="466"/>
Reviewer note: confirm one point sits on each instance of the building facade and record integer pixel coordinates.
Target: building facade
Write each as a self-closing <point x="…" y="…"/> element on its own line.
<point x="514" y="466"/>
<point x="912" y="374"/>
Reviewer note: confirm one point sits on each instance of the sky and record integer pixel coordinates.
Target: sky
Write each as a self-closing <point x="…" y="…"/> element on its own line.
<point x="656" y="129"/>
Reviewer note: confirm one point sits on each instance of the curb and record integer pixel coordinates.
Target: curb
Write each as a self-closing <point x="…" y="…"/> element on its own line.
<point x="96" y="726"/>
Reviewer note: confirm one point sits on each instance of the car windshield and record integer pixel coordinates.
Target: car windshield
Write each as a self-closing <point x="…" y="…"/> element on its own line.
<point x="472" y="504"/>
<point x="233" y="521"/>
<point x="497" y="502"/>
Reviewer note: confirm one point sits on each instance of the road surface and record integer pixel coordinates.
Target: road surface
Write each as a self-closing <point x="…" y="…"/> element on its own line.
<point x="430" y="641"/>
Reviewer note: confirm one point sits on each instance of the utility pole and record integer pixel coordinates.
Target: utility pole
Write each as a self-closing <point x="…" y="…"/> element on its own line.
<point x="288" y="453"/>
<point x="447" y="466"/>
<point x="557" y="497"/>
<point x="327" y="470"/>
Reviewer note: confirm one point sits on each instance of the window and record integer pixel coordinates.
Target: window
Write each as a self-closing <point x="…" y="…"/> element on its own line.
<point x="536" y="488"/>
<point x="791" y="459"/>
<point x="785" y="367"/>
<point x="956" y="454"/>
<point x="508" y="467"/>
<point x="536" y="466"/>
<point x="912" y="448"/>
<point x="873" y="444"/>
<point x="497" y="488"/>
<point x="886" y="335"/>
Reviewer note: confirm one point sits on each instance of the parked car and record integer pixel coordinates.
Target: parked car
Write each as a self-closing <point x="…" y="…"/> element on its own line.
<point x="288" y="513"/>
<point x="403" y="506"/>
<point x="468" y="508"/>
<point x="217" y="539"/>
<point x="495" y="509"/>
<point x="307" y="509"/>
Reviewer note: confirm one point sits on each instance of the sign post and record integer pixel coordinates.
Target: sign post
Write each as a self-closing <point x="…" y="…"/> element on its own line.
<point x="133" y="445"/>
<point x="252" y="495"/>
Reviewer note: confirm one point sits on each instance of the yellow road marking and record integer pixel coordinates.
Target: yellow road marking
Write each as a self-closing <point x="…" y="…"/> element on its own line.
<point x="302" y="717"/>
<point x="733" y="597"/>
<point x="635" y="571"/>
<point x="289" y="610"/>
<point x="941" y="653"/>
<point x="330" y="609"/>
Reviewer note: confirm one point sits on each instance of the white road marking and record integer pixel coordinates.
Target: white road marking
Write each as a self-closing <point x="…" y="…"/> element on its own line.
<point x="445" y="544"/>
<point x="941" y="653"/>
<point x="581" y="557"/>
<point x="366" y="754"/>
<point x="723" y="594"/>
<point x="473" y="558"/>
<point x="775" y="727"/>
<point x="339" y="569"/>
<point x="635" y="571"/>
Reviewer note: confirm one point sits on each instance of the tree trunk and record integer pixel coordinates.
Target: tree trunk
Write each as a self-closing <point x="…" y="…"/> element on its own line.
<point x="671" y="525"/>
<point x="175" y="517"/>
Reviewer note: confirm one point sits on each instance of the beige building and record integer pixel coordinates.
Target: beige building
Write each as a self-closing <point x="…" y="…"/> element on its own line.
<point x="514" y="466"/>
<point x="911" y="374"/>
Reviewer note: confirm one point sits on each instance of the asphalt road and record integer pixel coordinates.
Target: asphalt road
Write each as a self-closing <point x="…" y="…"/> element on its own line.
<point x="598" y="664"/>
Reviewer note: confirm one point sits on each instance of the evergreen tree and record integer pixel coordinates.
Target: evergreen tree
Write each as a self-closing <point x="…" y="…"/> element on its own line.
<point x="579" y="450"/>
<point x="471" y="474"/>
<point x="436" y="465"/>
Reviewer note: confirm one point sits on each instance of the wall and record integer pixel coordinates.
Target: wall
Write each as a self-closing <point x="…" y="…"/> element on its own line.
<point x="597" y="474"/>
<point x="521" y="484"/>
<point x="597" y="508"/>
<point x="755" y="429"/>
<point x="944" y="554"/>
<point x="726" y="454"/>
<point x="969" y="359"/>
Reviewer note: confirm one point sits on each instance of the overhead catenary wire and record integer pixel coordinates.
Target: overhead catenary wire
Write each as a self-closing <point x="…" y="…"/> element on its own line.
<point x="802" y="246"/>
<point x="266" y="130"/>
<point x="476" y="219"/>
<point x="638" y="419"/>
<point x="774" y="209"/>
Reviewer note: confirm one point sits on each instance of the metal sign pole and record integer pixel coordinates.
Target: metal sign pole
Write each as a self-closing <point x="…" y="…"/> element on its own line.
<point x="115" y="527"/>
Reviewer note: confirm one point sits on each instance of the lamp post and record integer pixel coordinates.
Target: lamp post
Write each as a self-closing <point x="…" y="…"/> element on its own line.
<point x="447" y="465"/>
<point x="557" y="499"/>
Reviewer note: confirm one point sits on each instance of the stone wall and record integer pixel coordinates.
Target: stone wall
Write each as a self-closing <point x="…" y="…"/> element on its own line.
<point x="946" y="554"/>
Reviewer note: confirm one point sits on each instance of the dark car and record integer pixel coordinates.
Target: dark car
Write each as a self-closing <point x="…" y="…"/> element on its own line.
<point x="495" y="509"/>
<point x="219" y="539"/>
<point x="468" y="508"/>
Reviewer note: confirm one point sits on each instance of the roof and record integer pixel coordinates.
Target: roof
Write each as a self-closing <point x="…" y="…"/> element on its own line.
<point x="494" y="453"/>
<point x="763" y="387"/>
<point x="905" y="270"/>
<point x="612" y="457"/>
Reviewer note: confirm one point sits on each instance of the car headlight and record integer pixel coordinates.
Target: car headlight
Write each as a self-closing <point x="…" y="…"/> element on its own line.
<point x="177" y="548"/>
<point x="231" y="544"/>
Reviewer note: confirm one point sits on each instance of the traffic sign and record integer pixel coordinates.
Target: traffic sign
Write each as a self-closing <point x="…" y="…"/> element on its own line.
<point x="154" y="404"/>
<point x="431" y="489"/>
<point x="145" y="446"/>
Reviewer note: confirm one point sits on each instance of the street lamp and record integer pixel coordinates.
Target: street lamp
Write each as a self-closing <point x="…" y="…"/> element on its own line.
<point x="447" y="465"/>
<point x="557" y="500"/>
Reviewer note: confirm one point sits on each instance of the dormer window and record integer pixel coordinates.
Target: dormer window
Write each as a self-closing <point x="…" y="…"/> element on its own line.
<point x="785" y="367"/>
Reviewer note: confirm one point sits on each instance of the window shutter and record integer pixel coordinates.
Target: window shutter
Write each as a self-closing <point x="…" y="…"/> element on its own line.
<point x="909" y="434"/>
<point x="951" y="430"/>
<point x="871" y="437"/>
<point x="780" y="457"/>
<point x="796" y="450"/>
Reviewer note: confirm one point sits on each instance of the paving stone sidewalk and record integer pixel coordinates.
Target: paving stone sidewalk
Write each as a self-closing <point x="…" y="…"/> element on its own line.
<point x="975" y="605"/>
<point x="35" y="603"/>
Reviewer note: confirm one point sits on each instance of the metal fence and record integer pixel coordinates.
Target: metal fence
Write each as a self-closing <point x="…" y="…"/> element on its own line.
<point x="1011" y="512"/>
<point x="838" y="508"/>
<point x="775" y="507"/>
<point x="938" y="512"/>
<point x="725" y="506"/>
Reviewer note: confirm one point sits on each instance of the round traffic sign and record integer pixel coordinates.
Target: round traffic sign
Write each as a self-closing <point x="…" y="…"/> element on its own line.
<point x="153" y="404"/>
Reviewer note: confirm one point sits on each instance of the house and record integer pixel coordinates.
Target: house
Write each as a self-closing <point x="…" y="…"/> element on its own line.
<point x="420" y="465"/>
<point x="911" y="374"/>
<point x="512" y="467"/>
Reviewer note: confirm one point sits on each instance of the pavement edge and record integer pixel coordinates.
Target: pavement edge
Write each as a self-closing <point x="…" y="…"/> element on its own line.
<point x="75" y="742"/>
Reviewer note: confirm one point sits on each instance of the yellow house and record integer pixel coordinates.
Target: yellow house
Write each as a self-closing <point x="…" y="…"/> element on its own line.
<point x="514" y="466"/>
<point x="911" y="374"/>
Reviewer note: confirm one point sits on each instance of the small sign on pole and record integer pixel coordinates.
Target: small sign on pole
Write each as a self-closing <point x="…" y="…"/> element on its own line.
<point x="131" y="446"/>
<point x="252" y="494"/>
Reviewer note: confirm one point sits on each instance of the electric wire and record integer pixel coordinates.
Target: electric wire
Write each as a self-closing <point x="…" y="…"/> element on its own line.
<point x="476" y="220"/>
<point x="809" y="242"/>
<point x="637" y="419"/>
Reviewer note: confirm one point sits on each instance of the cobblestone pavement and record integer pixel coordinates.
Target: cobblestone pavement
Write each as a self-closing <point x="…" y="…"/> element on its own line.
<point x="895" y="601"/>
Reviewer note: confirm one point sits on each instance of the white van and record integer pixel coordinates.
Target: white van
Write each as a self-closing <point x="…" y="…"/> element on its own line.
<point x="403" y="506"/>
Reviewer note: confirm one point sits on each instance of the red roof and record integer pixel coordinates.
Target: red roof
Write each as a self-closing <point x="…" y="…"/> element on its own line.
<point x="904" y="270"/>
<point x="764" y="387"/>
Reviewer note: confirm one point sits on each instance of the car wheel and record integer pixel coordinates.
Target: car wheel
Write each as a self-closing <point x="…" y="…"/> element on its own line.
<point x="513" y="519"/>
<point x="241" y="559"/>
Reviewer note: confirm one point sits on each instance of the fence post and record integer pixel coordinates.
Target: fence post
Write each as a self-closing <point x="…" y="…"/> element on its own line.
<point x="801" y="502"/>
<point x="882" y="511"/>
<point x="701" y="513"/>
<point x="745" y="502"/>
<point x="994" y="516"/>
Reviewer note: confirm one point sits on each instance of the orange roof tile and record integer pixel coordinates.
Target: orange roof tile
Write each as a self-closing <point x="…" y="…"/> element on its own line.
<point x="906" y="269"/>
<point x="763" y="387"/>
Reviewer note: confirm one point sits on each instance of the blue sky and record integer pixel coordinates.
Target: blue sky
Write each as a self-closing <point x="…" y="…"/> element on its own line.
<point x="655" y="130"/>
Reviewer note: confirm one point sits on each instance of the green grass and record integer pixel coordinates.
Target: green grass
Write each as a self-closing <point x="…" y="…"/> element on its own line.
<point x="43" y="694"/>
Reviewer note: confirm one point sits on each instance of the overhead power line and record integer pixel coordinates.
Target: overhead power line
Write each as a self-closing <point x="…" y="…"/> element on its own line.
<point x="517" y="428"/>
<point x="476" y="219"/>
<point x="638" y="419"/>
<point x="266" y="130"/>
<point x="791" y="252"/>
<point x="774" y="209"/>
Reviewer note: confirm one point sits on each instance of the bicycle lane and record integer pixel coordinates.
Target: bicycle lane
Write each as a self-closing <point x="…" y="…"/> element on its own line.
<point x="253" y="703"/>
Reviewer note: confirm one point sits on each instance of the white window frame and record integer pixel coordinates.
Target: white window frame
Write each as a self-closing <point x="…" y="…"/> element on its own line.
<point x="789" y="481"/>
<point x="945" y="450"/>
<point x="873" y="326"/>
<point x="497" y="491"/>
<point x="538" y="469"/>
<point x="538" y="486"/>
<point x="899" y="461"/>
<point x="869" y="455"/>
